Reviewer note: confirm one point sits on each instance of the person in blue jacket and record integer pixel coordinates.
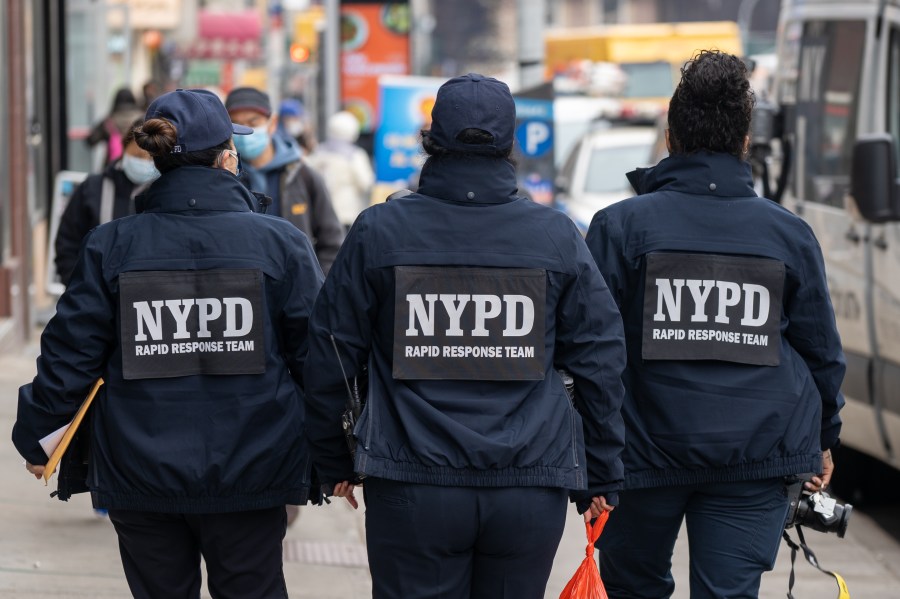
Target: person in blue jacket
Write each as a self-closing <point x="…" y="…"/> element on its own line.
<point x="463" y="302"/>
<point x="194" y="312"/>
<point x="734" y="361"/>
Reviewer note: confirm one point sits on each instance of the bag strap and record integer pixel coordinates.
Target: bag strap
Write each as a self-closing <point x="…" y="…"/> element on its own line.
<point x="843" y="592"/>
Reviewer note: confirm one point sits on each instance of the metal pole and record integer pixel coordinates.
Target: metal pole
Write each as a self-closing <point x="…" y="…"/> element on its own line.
<point x="530" y="15"/>
<point x="420" y="44"/>
<point x="19" y="263"/>
<point x="331" y="59"/>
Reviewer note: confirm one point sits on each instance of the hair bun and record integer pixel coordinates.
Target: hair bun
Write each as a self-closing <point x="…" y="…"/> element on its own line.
<point x="714" y="78"/>
<point x="156" y="136"/>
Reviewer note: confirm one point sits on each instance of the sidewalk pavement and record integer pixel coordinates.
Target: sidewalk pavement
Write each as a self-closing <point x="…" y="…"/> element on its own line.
<point x="53" y="549"/>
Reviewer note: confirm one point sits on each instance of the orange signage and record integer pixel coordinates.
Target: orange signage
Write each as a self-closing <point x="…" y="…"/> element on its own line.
<point x="374" y="42"/>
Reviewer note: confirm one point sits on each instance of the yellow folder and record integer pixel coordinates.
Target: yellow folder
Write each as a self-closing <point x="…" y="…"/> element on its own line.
<point x="71" y="429"/>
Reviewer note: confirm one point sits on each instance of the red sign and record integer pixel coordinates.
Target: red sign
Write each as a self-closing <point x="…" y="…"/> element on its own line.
<point x="226" y="35"/>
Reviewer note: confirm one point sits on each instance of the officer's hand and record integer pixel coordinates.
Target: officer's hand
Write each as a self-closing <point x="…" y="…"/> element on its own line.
<point x="598" y="505"/>
<point x="345" y="489"/>
<point x="37" y="471"/>
<point x="820" y="482"/>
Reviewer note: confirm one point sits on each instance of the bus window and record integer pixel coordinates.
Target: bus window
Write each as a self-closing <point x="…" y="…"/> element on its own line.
<point x="893" y="89"/>
<point x="827" y="95"/>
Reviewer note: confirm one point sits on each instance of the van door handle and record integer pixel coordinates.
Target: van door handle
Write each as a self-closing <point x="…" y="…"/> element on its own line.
<point x="852" y="235"/>
<point x="880" y="243"/>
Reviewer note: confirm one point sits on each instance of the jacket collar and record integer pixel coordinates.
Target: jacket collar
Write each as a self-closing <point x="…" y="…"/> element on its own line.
<point x="701" y="173"/>
<point x="469" y="179"/>
<point x="189" y="188"/>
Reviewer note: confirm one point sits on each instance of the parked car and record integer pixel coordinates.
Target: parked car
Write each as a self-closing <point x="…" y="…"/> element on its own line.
<point x="593" y="175"/>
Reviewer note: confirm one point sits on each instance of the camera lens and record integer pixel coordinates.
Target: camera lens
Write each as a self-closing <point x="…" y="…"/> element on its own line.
<point x="837" y="523"/>
<point x="842" y="514"/>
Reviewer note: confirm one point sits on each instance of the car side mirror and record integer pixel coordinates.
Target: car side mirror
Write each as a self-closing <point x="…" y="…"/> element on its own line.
<point x="873" y="178"/>
<point x="562" y="184"/>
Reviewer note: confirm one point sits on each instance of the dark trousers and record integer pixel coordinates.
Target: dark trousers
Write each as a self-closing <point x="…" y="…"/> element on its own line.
<point x="243" y="553"/>
<point x="461" y="542"/>
<point x="734" y="530"/>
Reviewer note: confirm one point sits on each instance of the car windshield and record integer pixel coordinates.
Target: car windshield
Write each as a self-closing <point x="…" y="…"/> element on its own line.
<point x="607" y="168"/>
<point x="648" y="80"/>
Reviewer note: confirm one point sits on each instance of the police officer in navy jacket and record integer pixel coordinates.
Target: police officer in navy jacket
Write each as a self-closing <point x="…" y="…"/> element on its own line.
<point x="464" y="301"/>
<point x="734" y="361"/>
<point x="194" y="312"/>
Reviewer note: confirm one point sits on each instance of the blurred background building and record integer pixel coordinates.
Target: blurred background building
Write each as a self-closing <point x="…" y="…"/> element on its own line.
<point x="64" y="60"/>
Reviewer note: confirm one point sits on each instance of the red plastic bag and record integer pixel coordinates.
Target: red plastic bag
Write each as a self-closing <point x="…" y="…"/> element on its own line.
<point x="586" y="583"/>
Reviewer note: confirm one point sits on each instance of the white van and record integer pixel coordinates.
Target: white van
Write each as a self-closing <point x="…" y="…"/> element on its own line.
<point x="837" y="91"/>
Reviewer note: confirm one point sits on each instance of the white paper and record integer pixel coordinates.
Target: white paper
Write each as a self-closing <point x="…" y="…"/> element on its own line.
<point x="50" y="442"/>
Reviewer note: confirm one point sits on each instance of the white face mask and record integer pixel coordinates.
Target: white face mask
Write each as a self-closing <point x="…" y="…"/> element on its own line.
<point x="139" y="170"/>
<point x="294" y="128"/>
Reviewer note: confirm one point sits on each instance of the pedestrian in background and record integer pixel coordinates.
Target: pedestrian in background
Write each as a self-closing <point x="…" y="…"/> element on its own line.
<point x="345" y="166"/>
<point x="734" y="361"/>
<point x="194" y="312"/>
<point x="101" y="198"/>
<point x="151" y="91"/>
<point x="112" y="129"/>
<point x="273" y="166"/>
<point x="293" y="122"/>
<point x="462" y="300"/>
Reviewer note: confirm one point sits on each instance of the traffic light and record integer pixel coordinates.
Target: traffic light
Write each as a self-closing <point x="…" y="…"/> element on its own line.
<point x="299" y="52"/>
<point x="306" y="34"/>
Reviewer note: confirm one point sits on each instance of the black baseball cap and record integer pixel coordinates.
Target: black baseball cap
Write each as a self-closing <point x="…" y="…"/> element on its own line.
<point x="473" y="101"/>
<point x="199" y="117"/>
<point x="249" y="98"/>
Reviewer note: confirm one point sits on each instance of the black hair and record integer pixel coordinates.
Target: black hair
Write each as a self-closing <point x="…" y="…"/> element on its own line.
<point x="466" y="136"/>
<point x="123" y="100"/>
<point x="158" y="136"/>
<point x="712" y="105"/>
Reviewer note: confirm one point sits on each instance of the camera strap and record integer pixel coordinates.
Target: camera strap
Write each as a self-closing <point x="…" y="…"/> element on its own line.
<point x="843" y="592"/>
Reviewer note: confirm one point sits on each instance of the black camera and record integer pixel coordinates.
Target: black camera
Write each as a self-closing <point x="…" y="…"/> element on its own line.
<point x="818" y="511"/>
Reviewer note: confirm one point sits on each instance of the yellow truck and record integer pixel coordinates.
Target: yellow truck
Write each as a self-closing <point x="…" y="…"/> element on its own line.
<point x="650" y="55"/>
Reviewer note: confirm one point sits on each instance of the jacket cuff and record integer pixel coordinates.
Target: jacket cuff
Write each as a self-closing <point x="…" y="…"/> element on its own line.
<point x="583" y="499"/>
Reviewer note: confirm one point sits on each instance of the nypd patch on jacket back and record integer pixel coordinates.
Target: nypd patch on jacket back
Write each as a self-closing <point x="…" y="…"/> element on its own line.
<point x="712" y="307"/>
<point x="178" y="323"/>
<point x="458" y="323"/>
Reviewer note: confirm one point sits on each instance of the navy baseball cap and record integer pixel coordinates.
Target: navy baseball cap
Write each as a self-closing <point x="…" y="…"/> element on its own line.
<point x="473" y="101"/>
<point x="199" y="117"/>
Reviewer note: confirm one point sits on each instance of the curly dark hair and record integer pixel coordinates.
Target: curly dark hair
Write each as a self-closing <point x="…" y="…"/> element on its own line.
<point x="712" y="105"/>
<point x="158" y="136"/>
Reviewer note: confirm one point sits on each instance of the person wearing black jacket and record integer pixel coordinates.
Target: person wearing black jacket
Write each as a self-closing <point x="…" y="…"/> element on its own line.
<point x="464" y="302"/>
<point x="734" y="359"/>
<point x="194" y="312"/>
<point x="101" y="198"/>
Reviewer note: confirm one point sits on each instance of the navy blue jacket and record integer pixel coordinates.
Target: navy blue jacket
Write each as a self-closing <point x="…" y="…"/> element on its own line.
<point x="694" y="421"/>
<point x="469" y="432"/>
<point x="200" y="443"/>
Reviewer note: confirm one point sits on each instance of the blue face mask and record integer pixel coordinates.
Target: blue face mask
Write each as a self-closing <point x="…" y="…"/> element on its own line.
<point x="251" y="146"/>
<point x="139" y="170"/>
